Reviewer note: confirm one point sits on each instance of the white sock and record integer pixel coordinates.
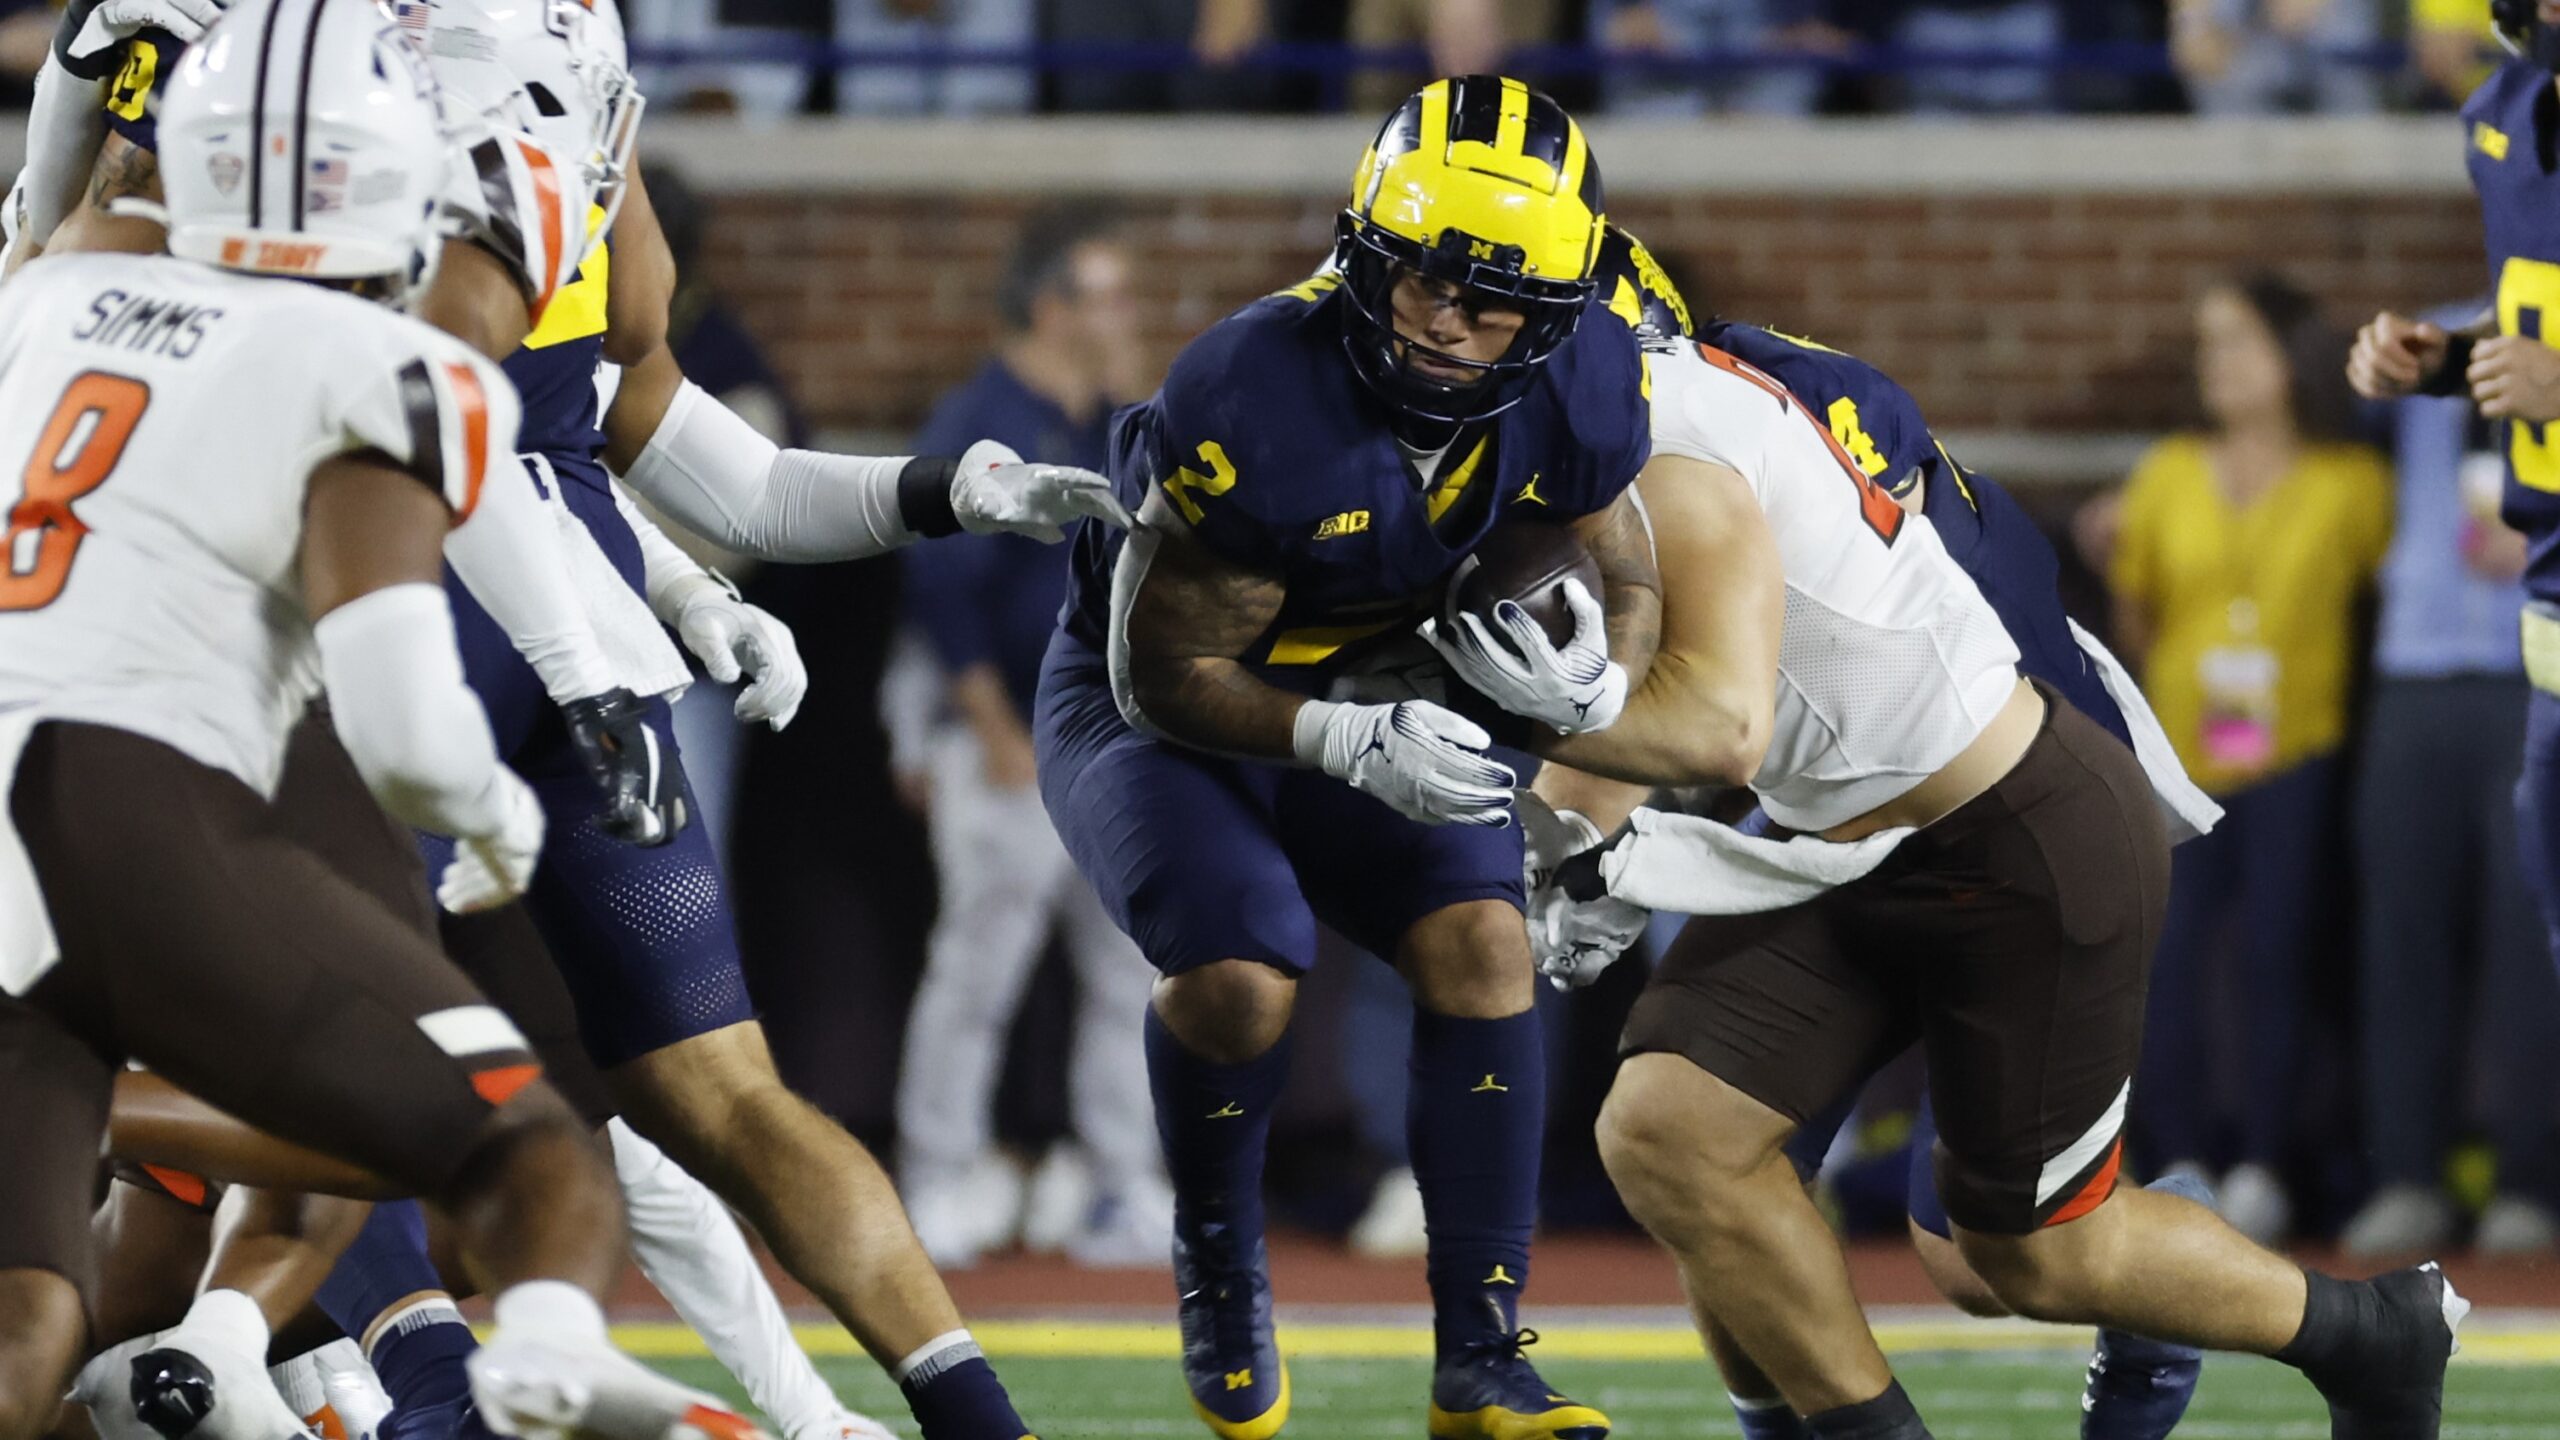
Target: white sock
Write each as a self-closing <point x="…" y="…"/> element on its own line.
<point x="229" y="1319"/>
<point x="298" y="1381"/>
<point x="436" y="1309"/>
<point x="690" y="1247"/>
<point x="935" y="1356"/>
<point x="550" y="1309"/>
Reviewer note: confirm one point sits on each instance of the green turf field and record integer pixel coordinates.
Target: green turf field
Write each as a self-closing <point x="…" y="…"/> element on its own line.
<point x="1989" y="1395"/>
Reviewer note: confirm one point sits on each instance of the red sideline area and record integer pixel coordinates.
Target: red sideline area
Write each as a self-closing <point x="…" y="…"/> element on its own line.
<point x="1572" y="1269"/>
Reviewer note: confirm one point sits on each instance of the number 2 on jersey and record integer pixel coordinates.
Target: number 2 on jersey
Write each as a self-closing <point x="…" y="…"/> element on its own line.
<point x="2529" y="305"/>
<point x="79" y="448"/>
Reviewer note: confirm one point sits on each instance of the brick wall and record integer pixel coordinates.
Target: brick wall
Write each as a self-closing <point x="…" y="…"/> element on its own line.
<point x="2002" y="312"/>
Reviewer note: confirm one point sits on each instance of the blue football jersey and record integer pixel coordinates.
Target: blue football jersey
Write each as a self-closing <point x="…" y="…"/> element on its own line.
<point x="1879" y="427"/>
<point x="2513" y="127"/>
<point x="1283" y="463"/>
<point x="555" y="371"/>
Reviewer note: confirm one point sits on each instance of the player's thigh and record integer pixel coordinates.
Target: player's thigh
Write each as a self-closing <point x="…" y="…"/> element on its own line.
<point x="1774" y="1006"/>
<point x="54" y="1114"/>
<point x="501" y="953"/>
<point x="642" y="934"/>
<point x="323" y="805"/>
<point x="248" y="970"/>
<point x="151" y="1235"/>
<point x="2033" y="966"/>
<point x="1374" y="875"/>
<point x="1180" y="848"/>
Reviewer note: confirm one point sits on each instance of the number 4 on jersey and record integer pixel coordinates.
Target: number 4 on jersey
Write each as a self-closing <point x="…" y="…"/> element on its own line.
<point x="79" y="448"/>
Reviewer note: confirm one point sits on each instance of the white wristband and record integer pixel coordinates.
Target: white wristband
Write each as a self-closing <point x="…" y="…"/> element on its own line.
<point x="1306" y="733"/>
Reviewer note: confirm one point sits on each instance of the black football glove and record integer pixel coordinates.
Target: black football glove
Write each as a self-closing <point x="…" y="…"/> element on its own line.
<point x="643" y="789"/>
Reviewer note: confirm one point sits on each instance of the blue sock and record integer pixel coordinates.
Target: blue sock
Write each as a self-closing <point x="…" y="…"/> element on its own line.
<point x="1889" y="1416"/>
<point x="1768" y="1420"/>
<point x="419" y="1356"/>
<point x="1214" y="1122"/>
<point x="954" y="1394"/>
<point x="387" y="1263"/>
<point x="1476" y="1115"/>
<point x="2139" y="1388"/>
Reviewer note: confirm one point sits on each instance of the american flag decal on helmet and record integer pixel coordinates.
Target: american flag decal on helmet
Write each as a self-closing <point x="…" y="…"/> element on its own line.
<point x="411" y="17"/>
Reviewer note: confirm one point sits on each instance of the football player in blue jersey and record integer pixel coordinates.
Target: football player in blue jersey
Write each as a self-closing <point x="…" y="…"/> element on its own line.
<point x="1315" y="467"/>
<point x="2138" y="1389"/>
<point x="2506" y="362"/>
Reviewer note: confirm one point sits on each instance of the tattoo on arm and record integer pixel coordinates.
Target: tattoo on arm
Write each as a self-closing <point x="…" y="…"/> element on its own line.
<point x="123" y="169"/>
<point x="1191" y="619"/>
<point x="1622" y="542"/>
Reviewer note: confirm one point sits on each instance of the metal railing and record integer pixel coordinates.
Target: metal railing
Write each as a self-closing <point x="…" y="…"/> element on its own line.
<point x="1332" y="65"/>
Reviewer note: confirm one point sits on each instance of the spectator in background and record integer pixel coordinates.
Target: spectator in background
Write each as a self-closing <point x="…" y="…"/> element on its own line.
<point x="2439" y="873"/>
<point x="2021" y="27"/>
<point x="920" y="28"/>
<point x="1219" y="32"/>
<point x="2452" y="47"/>
<point x="2263" y="57"/>
<point x="987" y="604"/>
<point x="1688" y="27"/>
<point x="2242" y="555"/>
<point x="1464" y="37"/>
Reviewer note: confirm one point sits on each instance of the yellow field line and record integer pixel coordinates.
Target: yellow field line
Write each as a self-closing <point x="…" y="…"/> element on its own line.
<point x="1125" y="1340"/>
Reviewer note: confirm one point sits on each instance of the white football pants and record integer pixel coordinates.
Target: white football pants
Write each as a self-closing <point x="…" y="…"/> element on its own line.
<point x="1007" y="884"/>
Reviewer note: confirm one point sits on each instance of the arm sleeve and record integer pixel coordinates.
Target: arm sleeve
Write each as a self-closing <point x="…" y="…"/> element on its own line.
<point x="415" y="732"/>
<point x="449" y="419"/>
<point x="667" y="573"/>
<point x="65" y="126"/>
<point x="714" y="474"/>
<point x="509" y="557"/>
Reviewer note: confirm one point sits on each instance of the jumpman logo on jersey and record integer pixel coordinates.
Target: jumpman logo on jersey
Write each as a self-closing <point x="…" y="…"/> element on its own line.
<point x="1489" y="1087"/>
<point x="1501" y="1276"/>
<point x="1529" y="493"/>
<point x="1229" y="1111"/>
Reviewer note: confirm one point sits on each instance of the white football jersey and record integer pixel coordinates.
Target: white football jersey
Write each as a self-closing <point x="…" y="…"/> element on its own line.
<point x="1890" y="662"/>
<point x="167" y="417"/>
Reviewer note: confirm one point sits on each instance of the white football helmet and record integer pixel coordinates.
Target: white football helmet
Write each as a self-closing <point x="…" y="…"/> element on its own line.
<point x="557" y="70"/>
<point x="303" y="138"/>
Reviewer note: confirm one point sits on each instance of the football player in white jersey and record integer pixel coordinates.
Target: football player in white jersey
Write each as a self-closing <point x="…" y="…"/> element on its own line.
<point x="777" y="504"/>
<point x="1980" y="868"/>
<point x="242" y="468"/>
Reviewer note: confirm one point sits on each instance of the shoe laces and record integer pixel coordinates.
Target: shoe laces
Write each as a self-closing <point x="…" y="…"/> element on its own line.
<point x="1501" y="1349"/>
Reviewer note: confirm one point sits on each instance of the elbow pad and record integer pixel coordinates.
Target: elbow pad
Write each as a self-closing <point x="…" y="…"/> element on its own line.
<point x="415" y="732"/>
<point x="715" y="475"/>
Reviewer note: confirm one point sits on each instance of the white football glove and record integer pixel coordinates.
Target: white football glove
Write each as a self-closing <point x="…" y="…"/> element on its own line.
<point x="1424" y="762"/>
<point x="996" y="489"/>
<point x="1576" y="689"/>
<point x="112" y="22"/>
<point x="490" y="870"/>
<point x="1573" y="940"/>
<point x="732" y="639"/>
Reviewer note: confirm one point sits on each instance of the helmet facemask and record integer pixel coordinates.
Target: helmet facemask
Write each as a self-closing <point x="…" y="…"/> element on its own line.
<point x="1372" y="260"/>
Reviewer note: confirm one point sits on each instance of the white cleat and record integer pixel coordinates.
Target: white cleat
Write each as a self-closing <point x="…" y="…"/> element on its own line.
<point x="191" y="1385"/>
<point x="552" y="1390"/>
<point x="845" y="1425"/>
<point x="105" y="1387"/>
